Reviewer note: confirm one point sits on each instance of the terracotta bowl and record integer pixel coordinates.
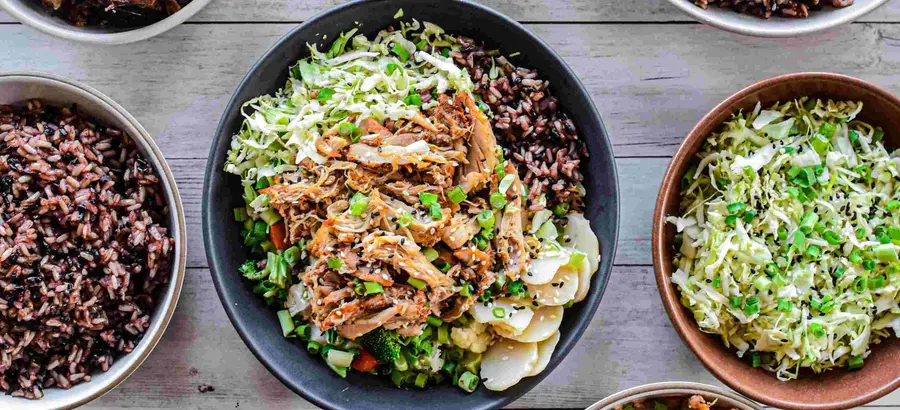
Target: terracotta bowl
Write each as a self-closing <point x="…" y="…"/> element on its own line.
<point x="836" y="389"/>
<point x="723" y="398"/>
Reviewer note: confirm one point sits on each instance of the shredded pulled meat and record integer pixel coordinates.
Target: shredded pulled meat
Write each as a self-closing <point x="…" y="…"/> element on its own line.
<point x="391" y="239"/>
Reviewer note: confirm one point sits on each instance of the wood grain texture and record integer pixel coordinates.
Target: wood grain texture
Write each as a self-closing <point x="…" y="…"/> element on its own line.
<point x="652" y="83"/>
<point x="587" y="11"/>
<point x="651" y="72"/>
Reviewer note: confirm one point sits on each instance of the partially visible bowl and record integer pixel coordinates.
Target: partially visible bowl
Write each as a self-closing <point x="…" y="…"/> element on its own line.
<point x="836" y="389"/>
<point x="17" y="87"/>
<point x="256" y="323"/>
<point x="726" y="19"/>
<point x="32" y="13"/>
<point x="722" y="397"/>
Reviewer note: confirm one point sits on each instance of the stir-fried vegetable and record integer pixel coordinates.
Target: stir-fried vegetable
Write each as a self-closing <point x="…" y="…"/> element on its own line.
<point x="785" y="245"/>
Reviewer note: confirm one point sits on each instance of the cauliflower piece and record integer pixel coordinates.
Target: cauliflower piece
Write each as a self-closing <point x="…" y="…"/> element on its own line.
<point x="474" y="337"/>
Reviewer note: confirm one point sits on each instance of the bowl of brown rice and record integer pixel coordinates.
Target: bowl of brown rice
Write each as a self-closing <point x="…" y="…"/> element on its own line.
<point x="92" y="243"/>
<point x="782" y="18"/>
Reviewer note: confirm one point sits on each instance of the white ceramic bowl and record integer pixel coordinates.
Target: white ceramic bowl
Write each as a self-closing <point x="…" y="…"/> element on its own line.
<point x="20" y="86"/>
<point x="824" y="19"/>
<point x="724" y="398"/>
<point x="32" y="13"/>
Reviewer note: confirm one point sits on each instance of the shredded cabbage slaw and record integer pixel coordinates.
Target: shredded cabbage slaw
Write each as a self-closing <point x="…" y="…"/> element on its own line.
<point x="787" y="244"/>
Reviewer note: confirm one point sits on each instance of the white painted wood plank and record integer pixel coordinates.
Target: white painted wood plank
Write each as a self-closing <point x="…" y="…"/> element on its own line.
<point x="522" y="10"/>
<point x="630" y="342"/>
<point x="652" y="83"/>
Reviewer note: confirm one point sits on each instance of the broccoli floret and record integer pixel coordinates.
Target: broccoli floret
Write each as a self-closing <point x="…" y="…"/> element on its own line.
<point x="382" y="344"/>
<point x="248" y="269"/>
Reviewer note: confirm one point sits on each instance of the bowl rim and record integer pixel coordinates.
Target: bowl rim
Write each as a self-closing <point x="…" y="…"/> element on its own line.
<point x="759" y="29"/>
<point x="663" y="268"/>
<point x="179" y="232"/>
<point x="230" y="306"/>
<point x="30" y="18"/>
<point x="639" y="392"/>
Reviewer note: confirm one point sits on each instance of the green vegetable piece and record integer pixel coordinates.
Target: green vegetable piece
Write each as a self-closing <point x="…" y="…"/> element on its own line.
<point x="405" y="219"/>
<point x="466" y="289"/>
<point x="286" y="322"/>
<point x="886" y="253"/>
<point x="816" y="329"/>
<point x="430" y="253"/>
<point x="736" y="301"/>
<point x="869" y="264"/>
<point x="427" y="198"/>
<point x="401" y="52"/>
<point x="813" y="251"/>
<point x="855" y="363"/>
<point x="435" y="211"/>
<point x="892" y="205"/>
<point x="860" y="284"/>
<point x="382" y="344"/>
<point x="468" y="381"/>
<point x="359" y="203"/>
<point x="809" y="222"/>
<point x="498" y="200"/>
<point x="831" y="237"/>
<point x="335" y="263"/>
<point x="784" y="305"/>
<point x="391" y="68"/>
<point x="827" y="130"/>
<point x="498" y="312"/>
<point x="457" y="195"/>
<point x="879" y="134"/>
<point x="854" y="257"/>
<point x="486" y="219"/>
<point x="731" y="220"/>
<point x="736" y="207"/>
<point x="417" y="283"/>
<point x="854" y="136"/>
<point x="751" y="306"/>
<point x="561" y="209"/>
<point x="799" y="241"/>
<point x="748" y="216"/>
<point x="324" y="94"/>
<point x="373" y="288"/>
<point x="838" y="272"/>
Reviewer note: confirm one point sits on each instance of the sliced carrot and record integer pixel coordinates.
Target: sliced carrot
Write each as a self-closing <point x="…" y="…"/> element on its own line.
<point x="365" y="362"/>
<point x="278" y="235"/>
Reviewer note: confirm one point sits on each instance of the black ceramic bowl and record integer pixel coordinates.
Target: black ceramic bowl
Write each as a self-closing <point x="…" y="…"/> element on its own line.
<point x="258" y="325"/>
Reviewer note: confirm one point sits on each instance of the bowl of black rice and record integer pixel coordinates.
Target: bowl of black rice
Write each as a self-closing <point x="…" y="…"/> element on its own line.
<point x="776" y="18"/>
<point x="103" y="21"/>
<point x="543" y="118"/>
<point x="92" y="243"/>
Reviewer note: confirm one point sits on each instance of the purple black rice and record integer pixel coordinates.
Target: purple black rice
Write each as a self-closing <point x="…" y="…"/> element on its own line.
<point x="538" y="137"/>
<point x="767" y="8"/>
<point x="84" y="247"/>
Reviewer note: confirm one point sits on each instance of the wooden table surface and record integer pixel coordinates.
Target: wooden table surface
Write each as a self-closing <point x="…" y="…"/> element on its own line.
<point x="652" y="73"/>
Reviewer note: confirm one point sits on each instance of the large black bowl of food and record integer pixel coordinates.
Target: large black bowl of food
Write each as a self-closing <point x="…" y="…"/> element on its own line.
<point x="409" y="204"/>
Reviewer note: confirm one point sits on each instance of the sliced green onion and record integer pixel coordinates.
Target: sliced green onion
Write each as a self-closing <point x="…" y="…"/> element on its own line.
<point x="498" y="201"/>
<point x="339" y="358"/>
<point x="869" y="264"/>
<point x="886" y="253"/>
<point x="401" y="52"/>
<point x="784" y="305"/>
<point x="313" y="347"/>
<point x="430" y="253"/>
<point x="854" y="136"/>
<point x="831" y="237"/>
<point x="813" y="251"/>
<point x="860" y="284"/>
<point x="734" y="208"/>
<point x="827" y="129"/>
<point x="855" y="258"/>
<point x="457" y="195"/>
<point x="782" y="233"/>
<point x="427" y="198"/>
<point x="413" y="99"/>
<point x="499" y="312"/>
<point x="416" y="283"/>
<point x="748" y="216"/>
<point x="466" y="289"/>
<point x="731" y="220"/>
<point x="762" y="283"/>
<point x="240" y="214"/>
<point x="717" y="281"/>
<point x="435" y="211"/>
<point x="799" y="241"/>
<point x="855" y="363"/>
<point x="373" y="288"/>
<point x="434" y="320"/>
<point x="335" y="263"/>
<point x="561" y="209"/>
<point x="405" y="219"/>
<point x="391" y="68"/>
<point x="443" y="334"/>
<point x="838" y="272"/>
<point x="480" y="242"/>
<point x="287" y="323"/>
<point x="876" y="282"/>
<point x="468" y="382"/>
<point x="304" y="331"/>
<point x="816" y="329"/>
<point x="892" y="205"/>
<point x="736" y="301"/>
<point x="486" y="219"/>
<point x="358" y="204"/>
<point x="808" y="222"/>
